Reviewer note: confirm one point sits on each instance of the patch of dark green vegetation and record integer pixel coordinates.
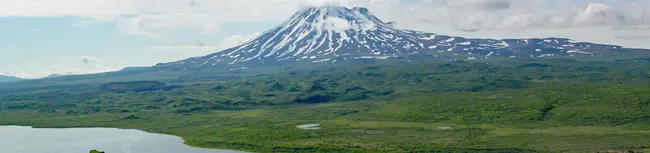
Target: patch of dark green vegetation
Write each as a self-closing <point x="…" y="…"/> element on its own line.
<point x="551" y="105"/>
<point x="135" y="86"/>
<point x="96" y="151"/>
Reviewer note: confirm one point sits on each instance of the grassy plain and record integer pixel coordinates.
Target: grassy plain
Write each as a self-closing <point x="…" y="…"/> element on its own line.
<point x="553" y="105"/>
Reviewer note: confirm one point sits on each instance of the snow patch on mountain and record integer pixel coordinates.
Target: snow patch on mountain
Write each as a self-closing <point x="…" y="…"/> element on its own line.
<point x="334" y="33"/>
<point x="334" y="24"/>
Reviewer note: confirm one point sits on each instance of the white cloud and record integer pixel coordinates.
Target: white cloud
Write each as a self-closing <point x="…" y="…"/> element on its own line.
<point x="63" y="65"/>
<point x="133" y="26"/>
<point x="530" y="18"/>
<point x="208" y="13"/>
<point x="211" y="28"/>
<point x="149" y="17"/>
<point x="334" y="24"/>
<point x="226" y="43"/>
<point x="597" y="14"/>
<point x="235" y="40"/>
<point x="317" y="3"/>
<point x="604" y="21"/>
<point x="493" y="14"/>
<point x="176" y="20"/>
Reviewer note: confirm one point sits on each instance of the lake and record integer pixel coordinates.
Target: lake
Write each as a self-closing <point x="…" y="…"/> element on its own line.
<point x="20" y="139"/>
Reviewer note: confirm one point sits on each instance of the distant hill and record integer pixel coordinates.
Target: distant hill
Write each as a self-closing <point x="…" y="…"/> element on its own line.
<point x="127" y="69"/>
<point x="54" y="76"/>
<point x="4" y="78"/>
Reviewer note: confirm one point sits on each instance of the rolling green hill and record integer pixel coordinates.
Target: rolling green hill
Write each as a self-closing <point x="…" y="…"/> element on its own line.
<point x="546" y="105"/>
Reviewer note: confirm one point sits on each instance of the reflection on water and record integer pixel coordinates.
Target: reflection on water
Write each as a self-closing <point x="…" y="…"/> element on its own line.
<point x="18" y="139"/>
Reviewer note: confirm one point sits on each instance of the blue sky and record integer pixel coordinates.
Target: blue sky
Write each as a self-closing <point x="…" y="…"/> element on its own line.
<point x="40" y="46"/>
<point x="43" y="37"/>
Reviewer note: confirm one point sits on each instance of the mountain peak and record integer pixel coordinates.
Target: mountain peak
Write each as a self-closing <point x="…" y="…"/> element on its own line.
<point x="320" y="34"/>
<point x="338" y="8"/>
<point x="336" y="18"/>
<point x="330" y="34"/>
<point x="327" y="7"/>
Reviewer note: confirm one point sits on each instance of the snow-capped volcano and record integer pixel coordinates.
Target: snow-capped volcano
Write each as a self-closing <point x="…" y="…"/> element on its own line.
<point x="322" y="33"/>
<point x="329" y="34"/>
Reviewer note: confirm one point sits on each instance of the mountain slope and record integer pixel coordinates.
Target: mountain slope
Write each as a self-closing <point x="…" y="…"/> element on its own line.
<point x="8" y="78"/>
<point x="135" y="68"/>
<point x="331" y="34"/>
<point x="54" y="76"/>
<point x="319" y="34"/>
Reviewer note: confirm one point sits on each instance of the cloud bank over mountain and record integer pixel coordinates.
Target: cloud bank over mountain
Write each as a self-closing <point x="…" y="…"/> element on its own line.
<point x="603" y="21"/>
<point x="500" y="18"/>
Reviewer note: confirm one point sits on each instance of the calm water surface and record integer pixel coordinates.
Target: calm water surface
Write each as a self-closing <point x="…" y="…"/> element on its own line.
<point x="20" y="139"/>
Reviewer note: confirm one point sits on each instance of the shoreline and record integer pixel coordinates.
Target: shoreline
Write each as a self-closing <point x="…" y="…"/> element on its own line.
<point x="185" y="142"/>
